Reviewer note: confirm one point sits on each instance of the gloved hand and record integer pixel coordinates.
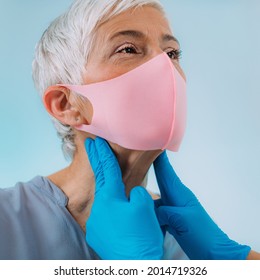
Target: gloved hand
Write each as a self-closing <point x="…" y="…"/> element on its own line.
<point x="118" y="227"/>
<point x="185" y="218"/>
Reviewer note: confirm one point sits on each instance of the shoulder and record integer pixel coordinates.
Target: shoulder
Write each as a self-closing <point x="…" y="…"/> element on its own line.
<point x="20" y="189"/>
<point x="31" y="194"/>
<point x="13" y="197"/>
<point x="39" y="185"/>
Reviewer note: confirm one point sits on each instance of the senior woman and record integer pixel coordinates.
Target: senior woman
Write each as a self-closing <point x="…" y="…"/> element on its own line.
<point x="93" y="42"/>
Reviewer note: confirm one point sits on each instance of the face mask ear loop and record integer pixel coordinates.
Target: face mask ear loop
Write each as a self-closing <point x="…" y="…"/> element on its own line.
<point x="174" y="105"/>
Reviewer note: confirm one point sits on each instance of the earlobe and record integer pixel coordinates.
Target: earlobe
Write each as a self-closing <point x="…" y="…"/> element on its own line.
<point x="57" y="102"/>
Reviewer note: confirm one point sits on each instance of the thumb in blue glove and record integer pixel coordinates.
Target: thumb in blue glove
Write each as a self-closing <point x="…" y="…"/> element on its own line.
<point x="118" y="227"/>
<point x="187" y="220"/>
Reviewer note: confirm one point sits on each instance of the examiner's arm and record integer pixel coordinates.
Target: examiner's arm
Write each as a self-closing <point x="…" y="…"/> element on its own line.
<point x="185" y="218"/>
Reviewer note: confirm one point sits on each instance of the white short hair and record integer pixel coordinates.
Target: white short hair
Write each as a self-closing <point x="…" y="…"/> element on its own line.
<point x="62" y="52"/>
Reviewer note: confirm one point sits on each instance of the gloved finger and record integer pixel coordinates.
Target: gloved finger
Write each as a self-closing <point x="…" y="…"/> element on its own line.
<point x="140" y="195"/>
<point x="92" y="154"/>
<point x="173" y="191"/>
<point x="158" y="203"/>
<point x="164" y="229"/>
<point x="112" y="173"/>
<point x="172" y="217"/>
<point x="162" y="216"/>
<point x="165" y="175"/>
<point x="94" y="162"/>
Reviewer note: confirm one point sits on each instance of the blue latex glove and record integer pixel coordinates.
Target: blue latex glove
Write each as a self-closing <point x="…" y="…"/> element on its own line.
<point x="118" y="227"/>
<point x="186" y="219"/>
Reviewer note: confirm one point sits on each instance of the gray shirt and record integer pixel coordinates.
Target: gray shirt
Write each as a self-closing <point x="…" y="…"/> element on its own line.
<point x="35" y="224"/>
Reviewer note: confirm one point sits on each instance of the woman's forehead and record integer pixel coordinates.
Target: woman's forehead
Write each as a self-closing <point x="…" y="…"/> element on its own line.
<point x="144" y="20"/>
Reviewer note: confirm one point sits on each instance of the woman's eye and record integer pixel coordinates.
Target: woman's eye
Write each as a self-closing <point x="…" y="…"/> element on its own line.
<point x="127" y="49"/>
<point x="174" y="54"/>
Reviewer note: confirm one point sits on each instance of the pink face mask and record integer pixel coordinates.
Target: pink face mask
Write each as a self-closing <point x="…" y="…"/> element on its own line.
<point x="143" y="109"/>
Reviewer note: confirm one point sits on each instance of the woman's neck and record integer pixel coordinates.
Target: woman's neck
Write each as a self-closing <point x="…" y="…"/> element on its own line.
<point x="78" y="183"/>
<point x="134" y="165"/>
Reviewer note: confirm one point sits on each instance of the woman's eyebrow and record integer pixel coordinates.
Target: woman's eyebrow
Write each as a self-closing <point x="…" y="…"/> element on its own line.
<point x="169" y="37"/>
<point x="130" y="33"/>
<point x="140" y="35"/>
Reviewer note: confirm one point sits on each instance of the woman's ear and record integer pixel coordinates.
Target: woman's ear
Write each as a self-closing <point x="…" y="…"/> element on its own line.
<point x="59" y="102"/>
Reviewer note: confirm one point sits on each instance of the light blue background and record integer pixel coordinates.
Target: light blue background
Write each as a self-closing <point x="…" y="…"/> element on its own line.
<point x="219" y="158"/>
